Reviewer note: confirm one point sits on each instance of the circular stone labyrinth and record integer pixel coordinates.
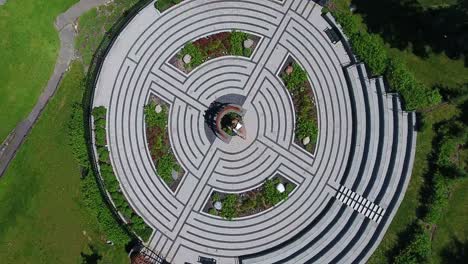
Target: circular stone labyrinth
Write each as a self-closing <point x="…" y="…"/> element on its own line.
<point x="346" y="192"/>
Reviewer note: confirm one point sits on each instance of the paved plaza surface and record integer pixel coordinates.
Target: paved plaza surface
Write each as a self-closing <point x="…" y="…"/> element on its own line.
<point x="347" y="191"/>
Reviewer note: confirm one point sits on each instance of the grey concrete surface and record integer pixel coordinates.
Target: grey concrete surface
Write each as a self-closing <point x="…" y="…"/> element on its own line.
<point x="347" y="191"/>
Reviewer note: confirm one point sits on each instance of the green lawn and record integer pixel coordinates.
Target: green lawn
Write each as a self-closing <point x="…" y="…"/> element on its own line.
<point x="94" y="24"/>
<point x="29" y="46"/>
<point x="435" y="70"/>
<point x="41" y="218"/>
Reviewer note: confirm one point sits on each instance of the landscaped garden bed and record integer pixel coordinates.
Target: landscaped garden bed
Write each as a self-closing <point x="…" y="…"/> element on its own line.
<point x="134" y="221"/>
<point x="298" y="85"/>
<point x="163" y="5"/>
<point x="167" y="167"/>
<point x="234" y="205"/>
<point x="235" y="43"/>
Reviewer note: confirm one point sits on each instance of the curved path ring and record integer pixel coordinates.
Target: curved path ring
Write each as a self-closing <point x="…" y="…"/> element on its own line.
<point x="347" y="191"/>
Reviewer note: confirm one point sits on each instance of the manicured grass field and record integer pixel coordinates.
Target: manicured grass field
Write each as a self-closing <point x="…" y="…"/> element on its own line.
<point x="29" y="46"/>
<point x="41" y="218"/>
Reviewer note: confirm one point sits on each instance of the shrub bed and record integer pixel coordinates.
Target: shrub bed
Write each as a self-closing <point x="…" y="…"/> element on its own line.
<point x="370" y="48"/>
<point x="295" y="79"/>
<point x="251" y="202"/>
<point x="214" y="46"/>
<point x="158" y="143"/>
<point x="134" y="221"/>
<point x="163" y="5"/>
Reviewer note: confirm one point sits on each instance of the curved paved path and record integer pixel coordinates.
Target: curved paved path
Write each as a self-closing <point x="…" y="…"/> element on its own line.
<point x="65" y="26"/>
<point x="347" y="191"/>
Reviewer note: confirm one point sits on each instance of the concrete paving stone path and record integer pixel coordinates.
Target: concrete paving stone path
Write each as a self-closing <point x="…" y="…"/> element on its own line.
<point x="347" y="191"/>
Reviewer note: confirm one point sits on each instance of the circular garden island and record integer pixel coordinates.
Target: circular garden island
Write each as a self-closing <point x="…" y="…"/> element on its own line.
<point x="247" y="132"/>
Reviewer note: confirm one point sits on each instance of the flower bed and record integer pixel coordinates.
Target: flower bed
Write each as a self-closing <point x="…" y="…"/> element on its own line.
<point x="112" y="185"/>
<point x="214" y="46"/>
<point x="298" y="85"/>
<point x="158" y="143"/>
<point x="251" y="202"/>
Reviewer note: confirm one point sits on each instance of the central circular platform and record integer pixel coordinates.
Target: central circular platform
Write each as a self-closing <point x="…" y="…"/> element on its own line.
<point x="346" y="190"/>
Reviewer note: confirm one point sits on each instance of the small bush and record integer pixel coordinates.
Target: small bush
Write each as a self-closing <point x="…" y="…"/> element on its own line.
<point x="297" y="79"/>
<point x="229" y="210"/>
<point x="196" y="54"/>
<point x="99" y="113"/>
<point x="414" y="94"/>
<point x="213" y="211"/>
<point x="163" y="5"/>
<point x="215" y="197"/>
<point x="76" y="135"/>
<point x="271" y="194"/>
<point x="371" y="49"/>
<point x="166" y="164"/>
<point x="237" y="43"/>
<point x="306" y="128"/>
<point x="153" y="119"/>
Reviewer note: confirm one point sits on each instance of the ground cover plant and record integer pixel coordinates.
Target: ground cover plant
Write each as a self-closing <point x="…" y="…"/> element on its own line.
<point x="213" y="46"/>
<point x="251" y="202"/>
<point x="134" y="221"/>
<point x="158" y="143"/>
<point x="50" y="212"/>
<point x="298" y="85"/>
<point x="163" y="5"/>
<point x="29" y="46"/>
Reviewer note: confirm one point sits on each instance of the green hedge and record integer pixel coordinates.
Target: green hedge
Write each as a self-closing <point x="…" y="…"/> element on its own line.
<point x="419" y="249"/>
<point x="370" y="48"/>
<point x="110" y="180"/>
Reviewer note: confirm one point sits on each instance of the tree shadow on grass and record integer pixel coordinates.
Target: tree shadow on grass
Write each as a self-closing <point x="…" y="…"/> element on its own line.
<point x="455" y="252"/>
<point x="92" y="258"/>
<point x="405" y="23"/>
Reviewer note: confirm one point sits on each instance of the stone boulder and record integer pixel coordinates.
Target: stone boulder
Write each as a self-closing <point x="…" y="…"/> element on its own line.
<point x="248" y="43"/>
<point x="158" y="109"/>
<point x="187" y="58"/>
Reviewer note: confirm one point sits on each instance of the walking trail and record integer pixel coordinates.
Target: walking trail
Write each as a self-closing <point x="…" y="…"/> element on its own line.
<point x="65" y="24"/>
